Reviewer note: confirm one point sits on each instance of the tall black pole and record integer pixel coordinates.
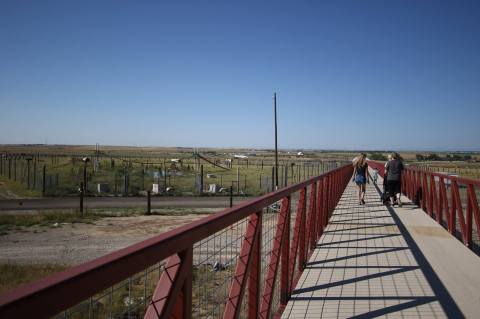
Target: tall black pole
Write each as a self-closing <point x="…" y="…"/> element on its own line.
<point x="276" y="146"/>
<point x="85" y="177"/>
<point x="81" y="198"/>
<point x="43" y="180"/>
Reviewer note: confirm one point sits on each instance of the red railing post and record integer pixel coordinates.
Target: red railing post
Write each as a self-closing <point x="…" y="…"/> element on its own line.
<point x="254" y="274"/>
<point x="319" y="210"/>
<point x="311" y="219"/>
<point x="459" y="210"/>
<point x="434" y="198"/>
<point x="242" y="271"/>
<point x="284" y="282"/>
<point x="173" y="294"/>
<point x="325" y="202"/>
<point x="469" y="219"/>
<point x="302" y="237"/>
<point x="272" y="270"/>
<point x="424" y="191"/>
<point x="453" y="211"/>
<point x="474" y="206"/>
<point x="431" y="190"/>
<point x="296" y="239"/>
<point x="444" y="202"/>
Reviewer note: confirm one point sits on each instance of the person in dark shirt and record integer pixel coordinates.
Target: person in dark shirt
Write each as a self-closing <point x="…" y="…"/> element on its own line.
<point x="393" y="170"/>
<point x="360" y="175"/>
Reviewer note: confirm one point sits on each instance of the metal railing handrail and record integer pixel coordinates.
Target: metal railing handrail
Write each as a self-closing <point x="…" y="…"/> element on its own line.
<point x="74" y="285"/>
<point x="422" y="188"/>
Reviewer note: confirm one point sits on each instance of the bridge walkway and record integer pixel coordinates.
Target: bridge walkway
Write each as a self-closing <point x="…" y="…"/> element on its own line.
<point x="379" y="261"/>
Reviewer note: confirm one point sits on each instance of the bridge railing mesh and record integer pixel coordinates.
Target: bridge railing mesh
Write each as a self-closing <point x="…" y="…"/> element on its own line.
<point x="449" y="199"/>
<point x="240" y="262"/>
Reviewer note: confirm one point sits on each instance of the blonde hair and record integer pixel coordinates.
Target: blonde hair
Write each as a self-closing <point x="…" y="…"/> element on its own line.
<point x="360" y="160"/>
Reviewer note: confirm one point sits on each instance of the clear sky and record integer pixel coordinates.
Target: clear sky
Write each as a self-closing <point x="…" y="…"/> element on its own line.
<point x="348" y="74"/>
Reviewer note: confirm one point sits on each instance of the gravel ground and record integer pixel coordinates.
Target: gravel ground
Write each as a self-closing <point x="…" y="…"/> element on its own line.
<point x="72" y="244"/>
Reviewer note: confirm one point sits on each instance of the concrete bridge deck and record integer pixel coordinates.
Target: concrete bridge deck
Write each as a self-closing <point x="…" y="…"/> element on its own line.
<point x="377" y="261"/>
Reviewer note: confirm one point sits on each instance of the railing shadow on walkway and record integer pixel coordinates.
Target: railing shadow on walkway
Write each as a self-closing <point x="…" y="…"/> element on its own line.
<point x="441" y="295"/>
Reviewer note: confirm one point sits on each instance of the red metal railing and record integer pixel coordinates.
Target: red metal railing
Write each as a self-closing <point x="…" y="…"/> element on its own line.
<point x="451" y="201"/>
<point x="266" y="266"/>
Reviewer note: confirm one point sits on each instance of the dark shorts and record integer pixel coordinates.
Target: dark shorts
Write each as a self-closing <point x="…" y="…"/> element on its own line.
<point x="394" y="187"/>
<point x="360" y="180"/>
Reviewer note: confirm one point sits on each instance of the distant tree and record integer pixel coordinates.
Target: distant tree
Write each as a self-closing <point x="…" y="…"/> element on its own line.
<point x="377" y="157"/>
<point x="457" y="157"/>
<point x="433" y="157"/>
<point x="467" y="157"/>
<point x="448" y="157"/>
<point x="420" y="157"/>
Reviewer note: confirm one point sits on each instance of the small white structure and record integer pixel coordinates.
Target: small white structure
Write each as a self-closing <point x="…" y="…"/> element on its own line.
<point x="239" y="156"/>
<point x="213" y="188"/>
<point x="300" y="154"/>
<point x="155" y="189"/>
<point x="210" y="175"/>
<point x="176" y="160"/>
<point x="103" y="188"/>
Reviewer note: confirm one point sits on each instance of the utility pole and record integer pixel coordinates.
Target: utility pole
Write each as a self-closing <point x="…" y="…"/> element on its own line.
<point x="85" y="161"/>
<point x="276" y="145"/>
<point x="83" y="185"/>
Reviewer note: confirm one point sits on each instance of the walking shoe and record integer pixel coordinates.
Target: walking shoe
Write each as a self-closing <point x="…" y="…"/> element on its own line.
<point x="399" y="204"/>
<point x="363" y="202"/>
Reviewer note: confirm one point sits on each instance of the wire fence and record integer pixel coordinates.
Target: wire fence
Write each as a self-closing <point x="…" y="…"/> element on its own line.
<point x="103" y="175"/>
<point x="214" y="261"/>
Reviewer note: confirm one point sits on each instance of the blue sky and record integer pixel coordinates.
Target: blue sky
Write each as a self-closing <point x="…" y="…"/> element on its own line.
<point x="348" y="74"/>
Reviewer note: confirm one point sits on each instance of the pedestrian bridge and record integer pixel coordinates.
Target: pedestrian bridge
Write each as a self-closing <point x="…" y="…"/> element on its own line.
<point x="306" y="251"/>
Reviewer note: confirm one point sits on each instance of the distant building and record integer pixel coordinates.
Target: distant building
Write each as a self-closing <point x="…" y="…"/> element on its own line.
<point x="240" y="156"/>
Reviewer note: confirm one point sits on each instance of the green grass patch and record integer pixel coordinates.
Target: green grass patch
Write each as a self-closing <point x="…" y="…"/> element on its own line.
<point x="12" y="275"/>
<point x="18" y="189"/>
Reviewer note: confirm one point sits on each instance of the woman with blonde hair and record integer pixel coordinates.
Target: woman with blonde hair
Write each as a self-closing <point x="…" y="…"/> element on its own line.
<point x="360" y="176"/>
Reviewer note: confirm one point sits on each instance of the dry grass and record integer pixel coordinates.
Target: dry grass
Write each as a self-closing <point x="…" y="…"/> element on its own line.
<point x="12" y="275"/>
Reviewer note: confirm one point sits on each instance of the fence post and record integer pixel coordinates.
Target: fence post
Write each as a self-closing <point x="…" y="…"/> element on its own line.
<point x="149" y="206"/>
<point x="34" y="174"/>
<point x="43" y="179"/>
<point x="201" y="180"/>
<point x="238" y="177"/>
<point x="81" y="198"/>
<point x="125" y="181"/>
<point x="231" y="195"/>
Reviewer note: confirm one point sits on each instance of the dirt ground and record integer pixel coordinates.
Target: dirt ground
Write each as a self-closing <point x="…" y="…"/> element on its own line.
<point x="72" y="244"/>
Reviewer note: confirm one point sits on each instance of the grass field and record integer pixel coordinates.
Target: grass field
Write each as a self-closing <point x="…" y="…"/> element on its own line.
<point x="128" y="171"/>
